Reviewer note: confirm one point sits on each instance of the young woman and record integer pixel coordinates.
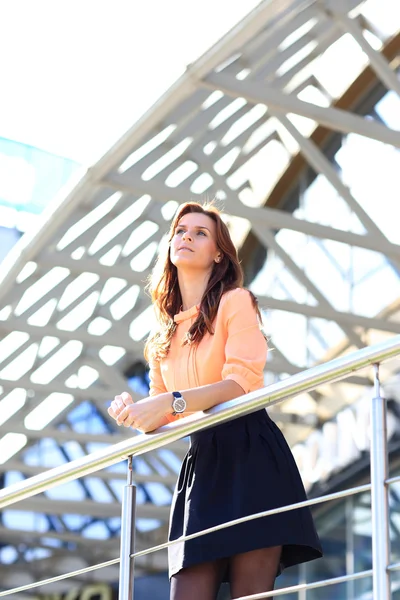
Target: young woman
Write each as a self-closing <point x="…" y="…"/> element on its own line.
<point x="209" y="349"/>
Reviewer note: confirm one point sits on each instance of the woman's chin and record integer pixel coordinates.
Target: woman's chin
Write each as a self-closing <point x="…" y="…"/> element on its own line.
<point x="183" y="259"/>
<point x="189" y="265"/>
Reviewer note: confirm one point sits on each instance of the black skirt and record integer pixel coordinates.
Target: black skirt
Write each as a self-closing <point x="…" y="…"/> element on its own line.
<point x="230" y="471"/>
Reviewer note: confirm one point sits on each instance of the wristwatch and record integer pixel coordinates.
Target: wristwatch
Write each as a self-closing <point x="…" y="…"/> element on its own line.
<point x="178" y="403"/>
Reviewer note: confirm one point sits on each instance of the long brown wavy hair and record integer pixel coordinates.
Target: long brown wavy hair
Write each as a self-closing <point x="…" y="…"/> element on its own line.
<point x="165" y="293"/>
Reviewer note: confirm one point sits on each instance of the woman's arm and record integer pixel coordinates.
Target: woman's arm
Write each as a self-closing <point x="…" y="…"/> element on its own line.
<point x="245" y="356"/>
<point x="152" y="412"/>
<point x="205" y="396"/>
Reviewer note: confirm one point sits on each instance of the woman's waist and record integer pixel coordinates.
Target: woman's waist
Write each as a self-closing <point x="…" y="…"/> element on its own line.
<point x="232" y="426"/>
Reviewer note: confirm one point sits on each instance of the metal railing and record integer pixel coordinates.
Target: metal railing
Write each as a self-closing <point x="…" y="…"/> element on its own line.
<point x="305" y="381"/>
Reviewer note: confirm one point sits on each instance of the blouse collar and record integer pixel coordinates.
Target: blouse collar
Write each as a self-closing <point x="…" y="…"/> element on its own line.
<point x="187" y="314"/>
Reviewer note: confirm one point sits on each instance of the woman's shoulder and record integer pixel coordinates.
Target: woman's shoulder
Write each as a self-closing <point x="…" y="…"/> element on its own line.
<point x="237" y="297"/>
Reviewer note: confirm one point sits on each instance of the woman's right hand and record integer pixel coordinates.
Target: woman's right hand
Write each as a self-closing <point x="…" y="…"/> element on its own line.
<point x="118" y="404"/>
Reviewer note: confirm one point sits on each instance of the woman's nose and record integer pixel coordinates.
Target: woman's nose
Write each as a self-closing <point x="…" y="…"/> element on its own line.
<point x="187" y="236"/>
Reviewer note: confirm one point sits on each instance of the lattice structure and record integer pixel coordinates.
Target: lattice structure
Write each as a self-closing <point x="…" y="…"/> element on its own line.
<point x="253" y="123"/>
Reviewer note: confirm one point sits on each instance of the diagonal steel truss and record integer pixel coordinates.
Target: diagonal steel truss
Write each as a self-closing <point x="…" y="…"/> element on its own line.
<point x="73" y="311"/>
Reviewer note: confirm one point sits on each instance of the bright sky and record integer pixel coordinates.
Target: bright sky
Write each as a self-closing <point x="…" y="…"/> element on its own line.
<point x="76" y="74"/>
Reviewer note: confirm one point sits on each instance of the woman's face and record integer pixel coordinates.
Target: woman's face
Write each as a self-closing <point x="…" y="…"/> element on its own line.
<point x="193" y="246"/>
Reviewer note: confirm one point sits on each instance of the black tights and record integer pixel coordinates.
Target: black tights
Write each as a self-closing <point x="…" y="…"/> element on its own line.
<point x="249" y="573"/>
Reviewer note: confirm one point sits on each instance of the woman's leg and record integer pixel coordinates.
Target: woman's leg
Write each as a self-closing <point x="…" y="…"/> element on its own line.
<point x="254" y="572"/>
<point x="200" y="582"/>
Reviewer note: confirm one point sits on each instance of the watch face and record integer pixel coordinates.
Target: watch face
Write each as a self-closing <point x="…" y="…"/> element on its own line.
<point x="179" y="405"/>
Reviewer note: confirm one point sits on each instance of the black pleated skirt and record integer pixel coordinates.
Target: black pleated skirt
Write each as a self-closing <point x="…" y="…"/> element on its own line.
<point x="230" y="471"/>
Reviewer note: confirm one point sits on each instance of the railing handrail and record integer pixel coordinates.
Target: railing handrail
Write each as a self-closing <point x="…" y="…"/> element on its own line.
<point x="305" y="381"/>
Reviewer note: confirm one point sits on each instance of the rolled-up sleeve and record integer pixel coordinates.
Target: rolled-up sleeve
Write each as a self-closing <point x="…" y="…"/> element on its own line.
<point x="246" y="347"/>
<point x="157" y="385"/>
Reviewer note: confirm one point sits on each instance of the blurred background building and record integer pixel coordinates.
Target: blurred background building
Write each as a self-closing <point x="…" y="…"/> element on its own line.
<point x="292" y="122"/>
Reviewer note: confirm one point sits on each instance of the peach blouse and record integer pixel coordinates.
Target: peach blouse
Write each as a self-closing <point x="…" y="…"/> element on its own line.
<point x="237" y="350"/>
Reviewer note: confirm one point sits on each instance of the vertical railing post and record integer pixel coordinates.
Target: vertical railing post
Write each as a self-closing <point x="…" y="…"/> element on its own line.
<point x="350" y="551"/>
<point x="379" y="495"/>
<point x="126" y="566"/>
<point x="302" y="594"/>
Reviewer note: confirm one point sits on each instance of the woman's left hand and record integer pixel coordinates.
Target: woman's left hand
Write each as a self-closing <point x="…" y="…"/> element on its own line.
<point x="146" y="415"/>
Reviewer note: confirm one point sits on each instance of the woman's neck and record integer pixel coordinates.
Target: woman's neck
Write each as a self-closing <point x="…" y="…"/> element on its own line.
<point x="192" y="287"/>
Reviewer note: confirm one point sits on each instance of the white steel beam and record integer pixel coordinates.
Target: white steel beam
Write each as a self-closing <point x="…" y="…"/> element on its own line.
<point x="105" y="475"/>
<point x="36" y="537"/>
<point x="66" y="435"/>
<point x="93" y="581"/>
<point x="260" y="50"/>
<point x="13" y="355"/>
<point x="88" y="265"/>
<point x="112" y="338"/>
<point x="322" y="33"/>
<point x="264" y="45"/>
<point x="61" y="435"/>
<point x="332" y="118"/>
<point x="321" y="164"/>
<point x="59" y="314"/>
<point x="96" y="395"/>
<point x="377" y="61"/>
<point x="88" y="547"/>
<point x="55" y="292"/>
<point x="283" y="366"/>
<point x="105" y="510"/>
<point x="330" y="314"/>
<point x="270" y="241"/>
<point x="113" y="377"/>
<point x="270" y="217"/>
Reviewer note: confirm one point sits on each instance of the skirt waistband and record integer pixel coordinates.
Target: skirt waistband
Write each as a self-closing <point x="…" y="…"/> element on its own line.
<point x="235" y="424"/>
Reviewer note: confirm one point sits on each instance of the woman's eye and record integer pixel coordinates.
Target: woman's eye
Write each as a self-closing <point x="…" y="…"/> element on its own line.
<point x="201" y="232"/>
<point x="179" y="231"/>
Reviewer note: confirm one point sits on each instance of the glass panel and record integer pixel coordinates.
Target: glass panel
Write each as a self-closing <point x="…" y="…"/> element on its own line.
<point x="394" y="516"/>
<point x="395" y="584"/>
<point x="362" y="533"/>
<point x="353" y="590"/>
<point x="332" y="530"/>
